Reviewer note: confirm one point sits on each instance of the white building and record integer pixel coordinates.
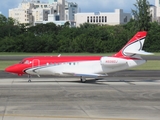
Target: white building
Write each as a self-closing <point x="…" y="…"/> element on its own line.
<point x="40" y="12"/>
<point x="70" y="10"/>
<point x="59" y="8"/>
<point x="60" y="11"/>
<point x="33" y="11"/>
<point x="157" y="4"/>
<point x="113" y="18"/>
<point x="153" y="11"/>
<point x="157" y="7"/>
<point x="23" y="14"/>
<point x="51" y="18"/>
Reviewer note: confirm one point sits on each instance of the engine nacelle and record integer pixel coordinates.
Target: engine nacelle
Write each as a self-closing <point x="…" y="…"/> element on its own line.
<point x="113" y="61"/>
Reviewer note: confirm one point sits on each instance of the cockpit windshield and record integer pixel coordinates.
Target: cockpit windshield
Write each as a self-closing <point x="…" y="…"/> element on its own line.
<point x="25" y="62"/>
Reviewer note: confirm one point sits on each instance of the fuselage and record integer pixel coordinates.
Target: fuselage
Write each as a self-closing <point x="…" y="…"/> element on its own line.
<point x="70" y="65"/>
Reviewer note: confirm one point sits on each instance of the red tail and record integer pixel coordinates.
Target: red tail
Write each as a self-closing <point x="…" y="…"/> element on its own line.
<point x="133" y="47"/>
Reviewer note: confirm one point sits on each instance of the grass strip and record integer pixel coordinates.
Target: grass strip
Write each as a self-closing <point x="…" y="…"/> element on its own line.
<point x="76" y="54"/>
<point x="43" y="54"/>
<point x="4" y="64"/>
<point x="149" y="65"/>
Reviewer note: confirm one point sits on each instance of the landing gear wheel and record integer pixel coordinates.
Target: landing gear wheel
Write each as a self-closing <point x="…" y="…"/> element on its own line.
<point x="83" y="80"/>
<point x="29" y="77"/>
<point x="29" y="81"/>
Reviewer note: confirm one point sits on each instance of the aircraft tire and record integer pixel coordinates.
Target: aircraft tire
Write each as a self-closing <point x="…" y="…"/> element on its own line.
<point x="29" y="81"/>
<point x="83" y="80"/>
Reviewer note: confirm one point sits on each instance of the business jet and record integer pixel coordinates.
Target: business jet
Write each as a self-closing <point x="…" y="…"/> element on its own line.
<point x="84" y="66"/>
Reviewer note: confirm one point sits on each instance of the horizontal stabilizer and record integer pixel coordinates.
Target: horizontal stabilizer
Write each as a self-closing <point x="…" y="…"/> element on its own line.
<point x="141" y="52"/>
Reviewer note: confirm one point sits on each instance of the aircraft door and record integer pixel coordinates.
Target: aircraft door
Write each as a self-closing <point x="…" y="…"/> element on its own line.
<point x="35" y="63"/>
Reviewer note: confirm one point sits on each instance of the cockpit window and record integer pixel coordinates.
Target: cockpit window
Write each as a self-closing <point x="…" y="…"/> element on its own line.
<point x="25" y="62"/>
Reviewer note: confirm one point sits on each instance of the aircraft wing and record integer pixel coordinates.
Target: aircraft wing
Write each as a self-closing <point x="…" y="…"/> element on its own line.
<point x="85" y="74"/>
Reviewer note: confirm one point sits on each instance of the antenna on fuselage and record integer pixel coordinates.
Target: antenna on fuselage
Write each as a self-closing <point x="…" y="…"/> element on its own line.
<point x="59" y="55"/>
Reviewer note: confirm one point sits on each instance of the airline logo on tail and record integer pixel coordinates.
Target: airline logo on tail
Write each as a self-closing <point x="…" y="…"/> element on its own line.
<point x="134" y="47"/>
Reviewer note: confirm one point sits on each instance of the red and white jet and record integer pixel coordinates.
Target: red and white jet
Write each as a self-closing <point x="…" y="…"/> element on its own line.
<point x="84" y="66"/>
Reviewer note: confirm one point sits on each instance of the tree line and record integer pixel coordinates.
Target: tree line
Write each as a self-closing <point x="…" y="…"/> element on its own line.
<point x="86" y="38"/>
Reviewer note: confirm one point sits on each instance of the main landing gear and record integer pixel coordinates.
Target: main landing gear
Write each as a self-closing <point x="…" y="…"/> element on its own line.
<point x="83" y="79"/>
<point x="29" y="78"/>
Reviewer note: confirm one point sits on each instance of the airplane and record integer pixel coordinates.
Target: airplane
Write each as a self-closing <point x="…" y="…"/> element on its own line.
<point x="84" y="66"/>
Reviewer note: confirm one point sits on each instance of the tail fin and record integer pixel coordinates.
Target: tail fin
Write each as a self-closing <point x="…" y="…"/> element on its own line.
<point x="134" y="47"/>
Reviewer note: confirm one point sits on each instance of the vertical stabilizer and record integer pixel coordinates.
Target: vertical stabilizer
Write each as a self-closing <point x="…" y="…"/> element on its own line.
<point x="134" y="47"/>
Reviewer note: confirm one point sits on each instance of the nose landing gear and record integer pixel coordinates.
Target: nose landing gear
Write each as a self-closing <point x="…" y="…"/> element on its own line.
<point x="29" y="78"/>
<point x="83" y="79"/>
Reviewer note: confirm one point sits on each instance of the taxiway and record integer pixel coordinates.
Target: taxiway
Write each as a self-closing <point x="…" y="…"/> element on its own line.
<point x="112" y="98"/>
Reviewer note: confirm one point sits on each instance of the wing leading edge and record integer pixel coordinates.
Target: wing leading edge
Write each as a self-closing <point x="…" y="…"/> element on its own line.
<point x="85" y="74"/>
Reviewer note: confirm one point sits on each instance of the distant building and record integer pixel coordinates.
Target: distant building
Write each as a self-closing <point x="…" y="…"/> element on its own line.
<point x="23" y="14"/>
<point x="34" y="12"/>
<point x="153" y="11"/>
<point x="157" y="4"/>
<point x="157" y="12"/>
<point x="103" y="18"/>
<point x="51" y="18"/>
<point x="70" y="10"/>
<point x="60" y="11"/>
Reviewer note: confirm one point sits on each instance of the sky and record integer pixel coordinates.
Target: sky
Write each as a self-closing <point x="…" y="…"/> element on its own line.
<point x="84" y="5"/>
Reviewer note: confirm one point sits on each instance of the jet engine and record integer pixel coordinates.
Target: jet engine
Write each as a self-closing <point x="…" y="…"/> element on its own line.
<point x="113" y="61"/>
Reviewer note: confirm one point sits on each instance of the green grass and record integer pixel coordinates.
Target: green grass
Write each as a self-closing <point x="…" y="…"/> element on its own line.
<point x="157" y="54"/>
<point x="150" y="65"/>
<point x="38" y="54"/>
<point x="4" y="64"/>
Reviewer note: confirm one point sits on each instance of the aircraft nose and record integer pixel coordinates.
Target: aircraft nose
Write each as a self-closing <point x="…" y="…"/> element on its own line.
<point x="13" y="69"/>
<point x="10" y="69"/>
<point x="16" y="69"/>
